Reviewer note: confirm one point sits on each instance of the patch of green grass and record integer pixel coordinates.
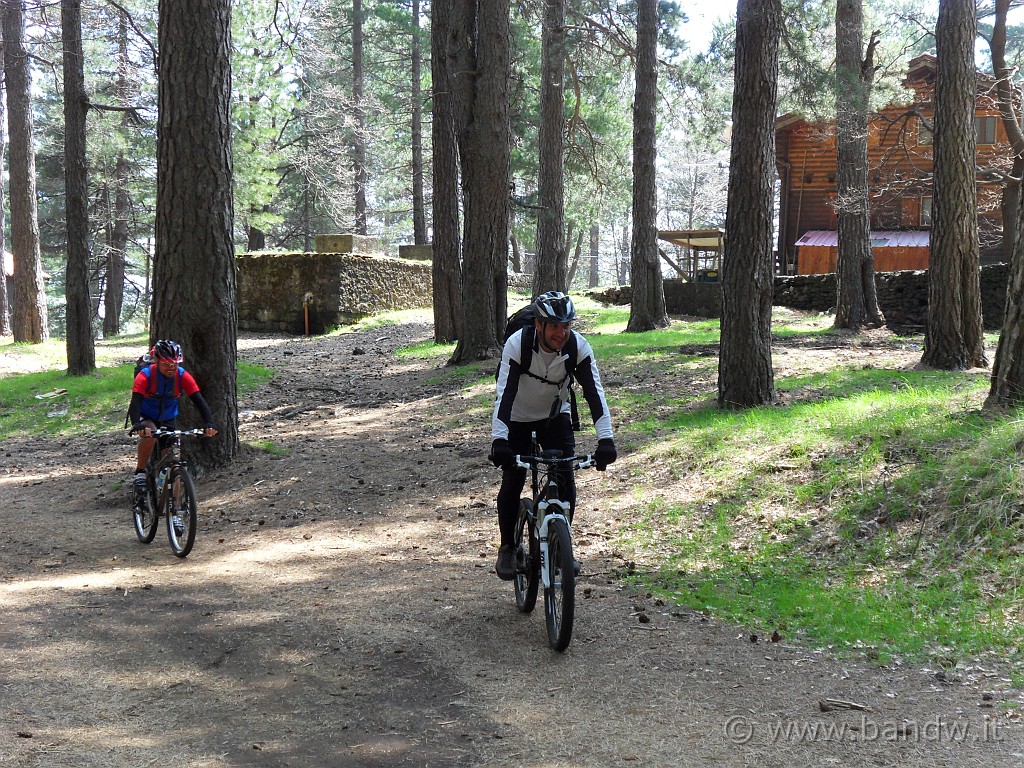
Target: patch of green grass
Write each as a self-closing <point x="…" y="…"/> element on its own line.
<point x="53" y="403"/>
<point x="426" y="350"/>
<point x="267" y="446"/>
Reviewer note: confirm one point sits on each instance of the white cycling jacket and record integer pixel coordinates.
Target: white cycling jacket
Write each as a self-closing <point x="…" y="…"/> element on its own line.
<point x="521" y="397"/>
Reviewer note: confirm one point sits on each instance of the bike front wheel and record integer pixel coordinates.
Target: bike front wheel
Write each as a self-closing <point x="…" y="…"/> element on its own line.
<point x="560" y="597"/>
<point x="181" y="512"/>
<point x="527" y="556"/>
<point x="144" y="514"/>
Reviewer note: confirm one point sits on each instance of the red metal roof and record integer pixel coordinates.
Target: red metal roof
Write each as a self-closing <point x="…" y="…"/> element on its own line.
<point x="829" y="237"/>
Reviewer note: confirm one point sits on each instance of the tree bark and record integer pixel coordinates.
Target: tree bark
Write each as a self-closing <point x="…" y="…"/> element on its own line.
<point x="446" y="257"/>
<point x="745" y="374"/>
<point x="29" y="301"/>
<point x="481" y="85"/>
<point x="358" y="104"/>
<point x="856" y="295"/>
<point x="1007" y="388"/>
<point x="5" y="300"/>
<point x="81" y="348"/>
<point x="954" y="337"/>
<point x="117" y="241"/>
<point x="550" y="273"/>
<point x="419" y="218"/>
<point x="647" y="309"/>
<point x="194" y="271"/>
<point x="595" y="273"/>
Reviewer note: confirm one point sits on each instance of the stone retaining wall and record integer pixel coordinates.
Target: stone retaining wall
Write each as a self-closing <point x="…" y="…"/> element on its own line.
<point x="902" y="296"/>
<point x="342" y="288"/>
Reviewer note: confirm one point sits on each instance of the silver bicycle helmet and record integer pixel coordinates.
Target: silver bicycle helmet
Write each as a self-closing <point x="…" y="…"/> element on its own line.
<point x="554" y="307"/>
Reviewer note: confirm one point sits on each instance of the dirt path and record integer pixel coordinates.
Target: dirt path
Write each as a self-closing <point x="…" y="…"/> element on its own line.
<point x="340" y="609"/>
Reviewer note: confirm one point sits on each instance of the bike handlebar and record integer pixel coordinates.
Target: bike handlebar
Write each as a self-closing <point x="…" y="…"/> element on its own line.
<point x="177" y="432"/>
<point x="579" y="462"/>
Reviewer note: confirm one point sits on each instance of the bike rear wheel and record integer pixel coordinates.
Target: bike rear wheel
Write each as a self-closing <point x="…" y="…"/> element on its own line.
<point x="144" y="514"/>
<point x="560" y="597"/>
<point x="527" y="554"/>
<point x="181" y="511"/>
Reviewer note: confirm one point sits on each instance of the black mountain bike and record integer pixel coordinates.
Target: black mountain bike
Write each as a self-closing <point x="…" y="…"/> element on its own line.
<point x="543" y="546"/>
<point x="170" y="492"/>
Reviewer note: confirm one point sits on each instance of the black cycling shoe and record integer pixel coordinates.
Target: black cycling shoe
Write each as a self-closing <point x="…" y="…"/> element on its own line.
<point x="506" y="565"/>
<point x="577" y="566"/>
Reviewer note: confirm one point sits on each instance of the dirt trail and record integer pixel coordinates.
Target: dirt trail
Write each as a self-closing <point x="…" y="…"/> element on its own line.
<point x="340" y="609"/>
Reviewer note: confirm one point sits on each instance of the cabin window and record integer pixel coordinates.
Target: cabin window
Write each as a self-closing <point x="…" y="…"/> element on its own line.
<point x="985" y="128"/>
<point x="924" y="134"/>
<point x="926" y="212"/>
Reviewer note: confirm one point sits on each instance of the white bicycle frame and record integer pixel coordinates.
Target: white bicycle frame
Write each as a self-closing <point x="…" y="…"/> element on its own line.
<point x="544" y="518"/>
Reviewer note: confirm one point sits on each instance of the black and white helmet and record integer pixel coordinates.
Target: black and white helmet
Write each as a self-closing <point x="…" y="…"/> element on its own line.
<point x="554" y="307"/>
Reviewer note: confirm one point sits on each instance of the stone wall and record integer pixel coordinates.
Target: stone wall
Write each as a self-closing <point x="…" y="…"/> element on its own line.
<point x="902" y="296"/>
<point x="342" y="288"/>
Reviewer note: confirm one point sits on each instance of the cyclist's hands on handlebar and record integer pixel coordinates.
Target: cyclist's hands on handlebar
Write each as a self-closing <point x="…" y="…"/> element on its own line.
<point x="501" y="453"/>
<point x="605" y="453"/>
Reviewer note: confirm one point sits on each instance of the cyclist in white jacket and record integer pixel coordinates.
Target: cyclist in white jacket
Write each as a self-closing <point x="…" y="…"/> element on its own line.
<point x="535" y="397"/>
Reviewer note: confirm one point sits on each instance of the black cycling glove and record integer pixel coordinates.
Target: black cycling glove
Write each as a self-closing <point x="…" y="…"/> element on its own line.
<point x="605" y="453"/>
<point x="501" y="453"/>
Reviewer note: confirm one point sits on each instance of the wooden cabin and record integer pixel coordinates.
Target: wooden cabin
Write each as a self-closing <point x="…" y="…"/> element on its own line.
<point x="899" y="179"/>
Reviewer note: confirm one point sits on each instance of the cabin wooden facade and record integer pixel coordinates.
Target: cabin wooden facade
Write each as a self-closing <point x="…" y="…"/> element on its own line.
<point x="899" y="177"/>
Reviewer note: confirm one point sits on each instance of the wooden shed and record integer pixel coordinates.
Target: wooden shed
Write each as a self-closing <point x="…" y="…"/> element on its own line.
<point x="703" y="261"/>
<point x="817" y="251"/>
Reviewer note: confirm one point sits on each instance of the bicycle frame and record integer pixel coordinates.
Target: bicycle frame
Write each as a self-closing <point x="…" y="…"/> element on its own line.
<point x="170" y="457"/>
<point x="545" y="507"/>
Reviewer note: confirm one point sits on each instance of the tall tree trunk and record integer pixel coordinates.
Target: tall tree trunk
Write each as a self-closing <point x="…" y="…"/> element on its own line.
<point x="954" y="336"/>
<point x="1011" y="196"/>
<point x="358" y="104"/>
<point x="577" y="252"/>
<point x="29" y="300"/>
<point x="117" y="241"/>
<point x="856" y="299"/>
<point x="551" y="260"/>
<point x="113" y="295"/>
<point x="81" y="349"/>
<point x="745" y="374"/>
<point x="419" y="217"/>
<point x="1007" y="387"/>
<point x="595" y="240"/>
<point x="647" y="310"/>
<point x="481" y="85"/>
<point x="5" y="300"/>
<point x="446" y="257"/>
<point x="256" y="239"/>
<point x="194" y="272"/>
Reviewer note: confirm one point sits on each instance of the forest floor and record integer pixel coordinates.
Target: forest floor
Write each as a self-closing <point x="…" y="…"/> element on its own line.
<point x="340" y="607"/>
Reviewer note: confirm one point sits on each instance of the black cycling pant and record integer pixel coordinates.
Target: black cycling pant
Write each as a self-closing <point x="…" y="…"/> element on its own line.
<point x="551" y="434"/>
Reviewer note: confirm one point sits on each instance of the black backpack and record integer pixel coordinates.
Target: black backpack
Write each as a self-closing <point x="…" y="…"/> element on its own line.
<point x="523" y="319"/>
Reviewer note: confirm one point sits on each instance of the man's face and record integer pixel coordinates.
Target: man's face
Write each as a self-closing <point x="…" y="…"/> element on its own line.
<point x="167" y="367"/>
<point x="552" y="336"/>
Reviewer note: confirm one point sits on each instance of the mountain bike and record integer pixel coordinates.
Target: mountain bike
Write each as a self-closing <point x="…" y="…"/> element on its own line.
<point x="543" y="543"/>
<point x="170" y="492"/>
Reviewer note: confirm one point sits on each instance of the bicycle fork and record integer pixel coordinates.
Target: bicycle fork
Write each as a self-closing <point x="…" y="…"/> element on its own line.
<point x="544" y="517"/>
